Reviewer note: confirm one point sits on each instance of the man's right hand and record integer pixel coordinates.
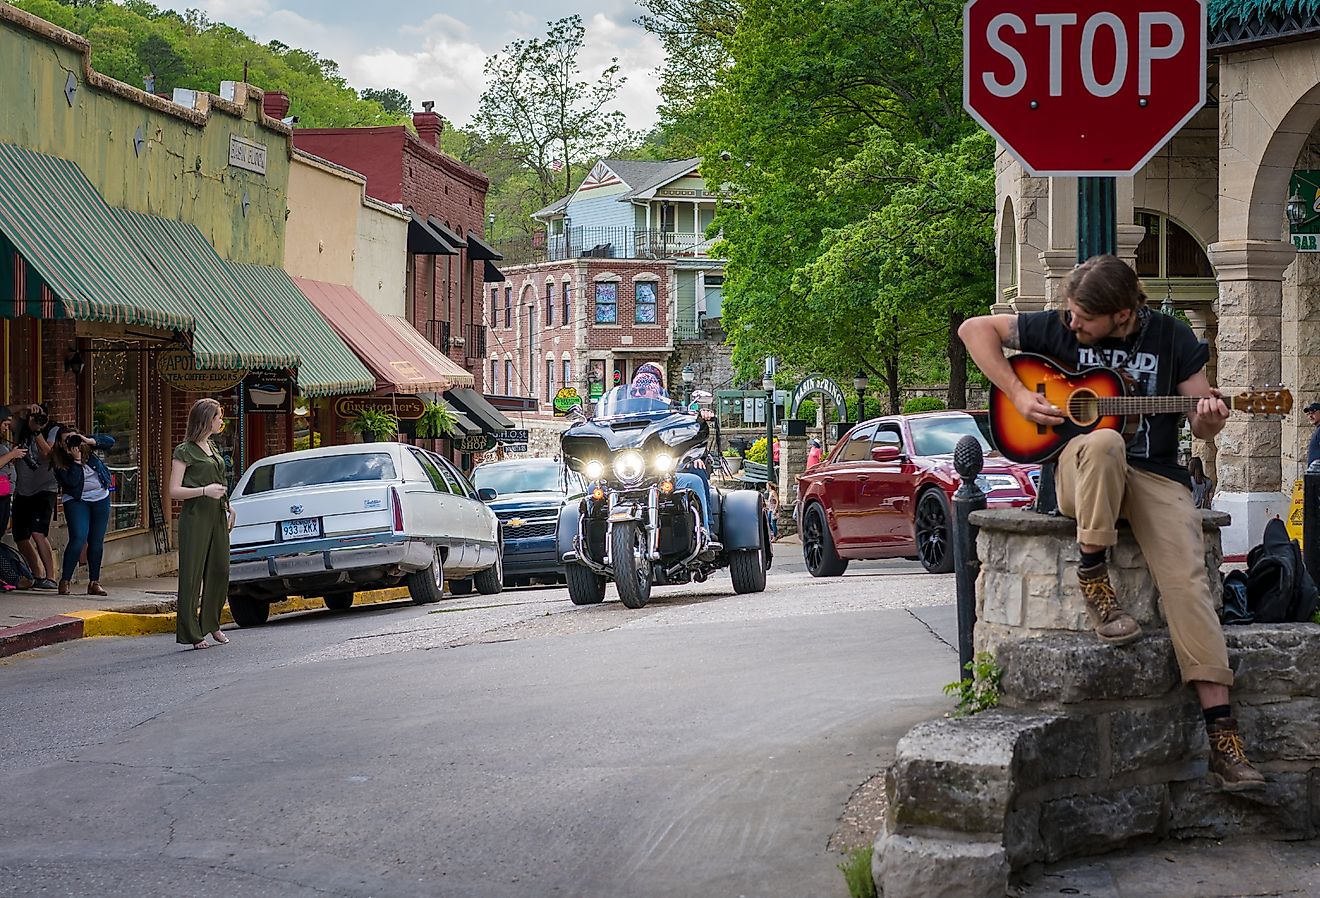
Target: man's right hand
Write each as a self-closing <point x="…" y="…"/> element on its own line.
<point x="1036" y="408"/>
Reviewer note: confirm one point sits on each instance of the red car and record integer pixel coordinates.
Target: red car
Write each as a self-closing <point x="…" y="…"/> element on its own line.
<point x="886" y="490"/>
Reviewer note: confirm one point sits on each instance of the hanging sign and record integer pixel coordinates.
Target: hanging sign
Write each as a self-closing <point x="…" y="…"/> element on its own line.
<point x="178" y="368"/>
<point x="268" y="395"/>
<point x="405" y="408"/>
<point x="1304" y="211"/>
<point x="566" y="400"/>
<point x="476" y="443"/>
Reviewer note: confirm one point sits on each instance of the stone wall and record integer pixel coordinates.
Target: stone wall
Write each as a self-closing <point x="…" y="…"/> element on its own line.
<point x="1093" y="746"/>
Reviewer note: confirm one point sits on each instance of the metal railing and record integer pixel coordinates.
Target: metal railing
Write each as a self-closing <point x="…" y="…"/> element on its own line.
<point x="603" y="243"/>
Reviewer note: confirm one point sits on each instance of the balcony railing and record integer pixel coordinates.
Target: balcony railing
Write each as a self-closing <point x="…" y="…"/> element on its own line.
<point x="474" y="341"/>
<point x="604" y="243"/>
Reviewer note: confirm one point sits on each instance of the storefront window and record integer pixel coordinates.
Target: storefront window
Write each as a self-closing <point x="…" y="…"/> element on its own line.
<point x="117" y="411"/>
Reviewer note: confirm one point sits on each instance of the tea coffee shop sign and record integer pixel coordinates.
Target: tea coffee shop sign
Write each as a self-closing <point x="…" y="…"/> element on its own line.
<point x="178" y="368"/>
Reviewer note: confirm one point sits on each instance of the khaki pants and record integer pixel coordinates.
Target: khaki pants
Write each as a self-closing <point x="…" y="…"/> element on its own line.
<point x="1097" y="486"/>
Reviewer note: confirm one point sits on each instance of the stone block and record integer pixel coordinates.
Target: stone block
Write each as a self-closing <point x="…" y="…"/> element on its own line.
<point x="1153" y="737"/>
<point x="1071" y="668"/>
<point x="917" y="867"/>
<point x="1281" y="731"/>
<point x="1100" y="821"/>
<point x="1022" y="842"/>
<point x="1284" y="808"/>
<point x="1275" y="659"/>
<point x="1059" y="749"/>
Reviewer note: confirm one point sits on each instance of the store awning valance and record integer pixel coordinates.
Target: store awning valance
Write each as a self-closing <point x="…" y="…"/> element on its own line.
<point x="457" y="375"/>
<point x="475" y="406"/>
<point x="424" y="241"/>
<point x="232" y="330"/>
<point x="329" y="367"/>
<point x="480" y="249"/>
<point x="63" y="229"/>
<point x="493" y="275"/>
<point x="450" y="237"/>
<point x="400" y="365"/>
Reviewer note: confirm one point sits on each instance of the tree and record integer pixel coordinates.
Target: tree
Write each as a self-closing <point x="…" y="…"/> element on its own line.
<point x="536" y="111"/>
<point x="391" y="100"/>
<point x="158" y="57"/>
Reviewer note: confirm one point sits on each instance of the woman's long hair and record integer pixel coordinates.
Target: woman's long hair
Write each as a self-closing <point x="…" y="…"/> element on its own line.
<point x="199" y="420"/>
<point x="1197" y="469"/>
<point x="60" y="456"/>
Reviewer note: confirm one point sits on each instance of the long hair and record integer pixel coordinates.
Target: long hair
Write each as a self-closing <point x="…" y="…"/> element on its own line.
<point x="1104" y="285"/>
<point x="60" y="456"/>
<point x="1196" y="468"/>
<point x="199" y="420"/>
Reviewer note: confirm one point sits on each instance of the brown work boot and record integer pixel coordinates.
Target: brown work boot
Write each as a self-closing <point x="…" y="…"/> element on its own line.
<point x="1112" y="624"/>
<point x="1228" y="757"/>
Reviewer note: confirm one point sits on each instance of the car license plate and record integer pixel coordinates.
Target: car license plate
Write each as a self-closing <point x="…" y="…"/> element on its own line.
<point x="303" y="529"/>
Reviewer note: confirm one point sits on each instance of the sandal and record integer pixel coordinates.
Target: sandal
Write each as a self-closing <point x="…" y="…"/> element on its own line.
<point x="220" y="638"/>
<point x="202" y="645"/>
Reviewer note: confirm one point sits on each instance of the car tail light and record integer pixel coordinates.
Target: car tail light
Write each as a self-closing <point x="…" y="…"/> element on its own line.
<point x="397" y="503"/>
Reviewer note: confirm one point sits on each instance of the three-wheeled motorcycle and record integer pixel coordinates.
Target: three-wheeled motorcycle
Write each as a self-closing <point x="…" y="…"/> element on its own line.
<point x="639" y="524"/>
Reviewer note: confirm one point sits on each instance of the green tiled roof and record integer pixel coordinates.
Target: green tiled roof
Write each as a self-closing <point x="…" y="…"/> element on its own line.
<point x="52" y="215"/>
<point x="1221" y="11"/>
<point x="329" y="367"/>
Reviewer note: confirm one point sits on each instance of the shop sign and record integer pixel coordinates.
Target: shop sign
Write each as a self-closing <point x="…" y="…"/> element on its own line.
<point x="1304" y="211"/>
<point x="405" y="408"/>
<point x="509" y="437"/>
<point x="271" y="395"/>
<point x="566" y="400"/>
<point x="178" y="368"/>
<point x="476" y="443"/>
<point x="813" y="384"/>
<point x="247" y="154"/>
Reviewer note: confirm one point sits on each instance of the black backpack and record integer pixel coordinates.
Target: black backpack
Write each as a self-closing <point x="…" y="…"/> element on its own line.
<point x="1279" y="588"/>
<point x="13" y="569"/>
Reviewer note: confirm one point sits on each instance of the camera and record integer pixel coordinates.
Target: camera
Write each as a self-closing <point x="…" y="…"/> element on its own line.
<point x="73" y="441"/>
<point x="38" y="419"/>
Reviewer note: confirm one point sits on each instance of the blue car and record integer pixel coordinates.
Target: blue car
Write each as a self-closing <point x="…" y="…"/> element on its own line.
<point x="528" y="496"/>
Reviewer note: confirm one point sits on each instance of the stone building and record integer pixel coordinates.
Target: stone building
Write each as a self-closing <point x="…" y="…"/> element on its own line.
<point x="1206" y="222"/>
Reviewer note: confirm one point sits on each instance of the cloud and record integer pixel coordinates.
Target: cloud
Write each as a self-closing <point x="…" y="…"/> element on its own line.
<point x="639" y="55"/>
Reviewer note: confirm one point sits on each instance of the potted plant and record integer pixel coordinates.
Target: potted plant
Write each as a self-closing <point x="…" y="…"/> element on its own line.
<point x="732" y="461"/>
<point x="374" y="425"/>
<point x="437" y="420"/>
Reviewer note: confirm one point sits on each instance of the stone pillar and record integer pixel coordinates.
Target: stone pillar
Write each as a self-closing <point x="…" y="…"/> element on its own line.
<point x="1250" y="308"/>
<point x="792" y="463"/>
<point x="1058" y="264"/>
<point x="1129" y="238"/>
<point x="1206" y="327"/>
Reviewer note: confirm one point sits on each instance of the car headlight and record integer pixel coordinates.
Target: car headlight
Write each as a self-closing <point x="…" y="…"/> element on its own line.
<point x="630" y="466"/>
<point x="595" y="470"/>
<point x="664" y="463"/>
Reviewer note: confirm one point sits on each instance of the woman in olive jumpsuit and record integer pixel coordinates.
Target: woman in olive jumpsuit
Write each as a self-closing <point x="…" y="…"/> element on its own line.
<point x="197" y="477"/>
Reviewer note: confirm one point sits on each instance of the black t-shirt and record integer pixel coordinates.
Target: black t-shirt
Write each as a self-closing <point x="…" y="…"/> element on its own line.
<point x="1160" y="355"/>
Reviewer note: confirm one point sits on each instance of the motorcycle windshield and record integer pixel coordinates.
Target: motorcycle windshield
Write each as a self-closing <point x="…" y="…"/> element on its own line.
<point x="632" y="400"/>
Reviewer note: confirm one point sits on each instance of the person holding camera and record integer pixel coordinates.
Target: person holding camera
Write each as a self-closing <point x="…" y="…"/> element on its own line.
<point x="9" y="454"/>
<point x="85" y="487"/>
<point x="35" y="492"/>
<point x="198" y="479"/>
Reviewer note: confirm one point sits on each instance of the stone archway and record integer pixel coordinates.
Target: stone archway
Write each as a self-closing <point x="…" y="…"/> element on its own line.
<point x="1006" y="258"/>
<point x="1269" y="105"/>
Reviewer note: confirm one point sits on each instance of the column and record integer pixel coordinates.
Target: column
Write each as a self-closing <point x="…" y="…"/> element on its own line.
<point x="1250" y="309"/>
<point x="1206" y="327"/>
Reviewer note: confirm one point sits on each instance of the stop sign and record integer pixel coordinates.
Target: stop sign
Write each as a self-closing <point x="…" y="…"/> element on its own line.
<point x="1083" y="87"/>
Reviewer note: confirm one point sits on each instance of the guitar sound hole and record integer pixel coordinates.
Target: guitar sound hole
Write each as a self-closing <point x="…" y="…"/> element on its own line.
<point x="1083" y="407"/>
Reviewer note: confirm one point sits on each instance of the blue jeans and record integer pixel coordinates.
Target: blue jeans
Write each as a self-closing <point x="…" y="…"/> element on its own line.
<point x="87" y="522"/>
<point x="693" y="482"/>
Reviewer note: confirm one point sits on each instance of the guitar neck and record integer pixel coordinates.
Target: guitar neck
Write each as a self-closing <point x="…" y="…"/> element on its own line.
<point x="1146" y="405"/>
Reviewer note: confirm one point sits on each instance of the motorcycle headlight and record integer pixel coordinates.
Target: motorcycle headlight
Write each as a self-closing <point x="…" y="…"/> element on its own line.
<point x="595" y="470"/>
<point x="664" y="463"/>
<point x="630" y="466"/>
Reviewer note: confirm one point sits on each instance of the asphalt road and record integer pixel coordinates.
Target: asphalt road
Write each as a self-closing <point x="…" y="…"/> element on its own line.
<point x="703" y="746"/>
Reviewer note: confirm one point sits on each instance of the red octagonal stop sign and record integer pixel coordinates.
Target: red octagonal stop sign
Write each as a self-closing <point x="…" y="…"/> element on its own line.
<point x="1083" y="87"/>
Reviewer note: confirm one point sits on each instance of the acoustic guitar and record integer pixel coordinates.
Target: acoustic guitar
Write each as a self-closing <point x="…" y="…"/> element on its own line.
<point x="1090" y="400"/>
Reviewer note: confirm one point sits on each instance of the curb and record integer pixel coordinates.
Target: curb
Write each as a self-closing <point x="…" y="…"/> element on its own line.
<point x="78" y="624"/>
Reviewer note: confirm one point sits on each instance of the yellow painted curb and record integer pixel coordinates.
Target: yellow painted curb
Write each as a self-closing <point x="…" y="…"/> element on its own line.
<point x="117" y="623"/>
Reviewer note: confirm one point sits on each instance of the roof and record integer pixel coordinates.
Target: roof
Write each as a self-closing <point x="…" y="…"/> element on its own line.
<point x="475" y="406"/>
<point x="664" y="173"/>
<point x="62" y="227"/>
<point x="400" y="365"/>
<point x="329" y="367"/>
<point x="642" y="177"/>
<point x="1221" y="11"/>
<point x="554" y="208"/>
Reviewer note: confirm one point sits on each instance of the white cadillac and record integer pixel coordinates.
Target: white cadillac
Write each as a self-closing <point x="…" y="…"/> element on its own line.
<point x="329" y="521"/>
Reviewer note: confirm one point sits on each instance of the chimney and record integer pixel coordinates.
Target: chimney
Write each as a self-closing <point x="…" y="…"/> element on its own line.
<point x="276" y="104"/>
<point x="428" y="124"/>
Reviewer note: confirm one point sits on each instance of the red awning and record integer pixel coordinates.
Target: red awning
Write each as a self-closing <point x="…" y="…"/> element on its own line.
<point x="400" y="365"/>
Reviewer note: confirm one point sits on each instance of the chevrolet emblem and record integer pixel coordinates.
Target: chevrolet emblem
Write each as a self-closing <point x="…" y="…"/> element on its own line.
<point x="516" y="522"/>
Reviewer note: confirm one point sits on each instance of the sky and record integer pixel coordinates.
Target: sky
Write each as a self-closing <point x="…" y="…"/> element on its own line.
<point x="435" y="49"/>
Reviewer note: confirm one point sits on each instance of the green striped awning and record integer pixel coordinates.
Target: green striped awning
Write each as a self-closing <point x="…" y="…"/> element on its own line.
<point x="329" y="367"/>
<point x="232" y="331"/>
<point x="62" y="228"/>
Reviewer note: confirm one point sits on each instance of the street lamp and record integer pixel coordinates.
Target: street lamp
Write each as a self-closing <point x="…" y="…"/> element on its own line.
<point x="859" y="384"/>
<point x="768" y="384"/>
<point x="1296" y="208"/>
<point x="490" y="226"/>
<point x="689" y="376"/>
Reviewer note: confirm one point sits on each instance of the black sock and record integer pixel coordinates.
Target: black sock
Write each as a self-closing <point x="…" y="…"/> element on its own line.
<point x="1091" y="559"/>
<point x="1216" y="713"/>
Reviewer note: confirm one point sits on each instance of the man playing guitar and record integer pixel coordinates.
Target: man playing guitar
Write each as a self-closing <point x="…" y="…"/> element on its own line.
<point x="1102" y="476"/>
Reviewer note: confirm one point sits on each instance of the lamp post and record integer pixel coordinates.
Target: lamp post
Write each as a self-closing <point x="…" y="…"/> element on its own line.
<point x="490" y="226"/>
<point x="860" y="383"/>
<point x="768" y="384"/>
<point x="689" y="376"/>
<point x="1296" y="208"/>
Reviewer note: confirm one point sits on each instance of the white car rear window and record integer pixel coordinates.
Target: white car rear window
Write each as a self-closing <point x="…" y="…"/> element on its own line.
<point x="354" y="467"/>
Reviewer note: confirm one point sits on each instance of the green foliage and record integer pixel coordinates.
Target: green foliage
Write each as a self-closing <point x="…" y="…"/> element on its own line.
<point x="731" y="453"/>
<point x="390" y="99"/>
<point x="311" y="441"/>
<point x="374" y="424"/>
<point x="438" y="420"/>
<point x="1315" y="618"/>
<point x="135" y="38"/>
<point x="756" y="452"/>
<point x="857" y="873"/>
<point x="979" y="691"/>
<point x="923" y="404"/>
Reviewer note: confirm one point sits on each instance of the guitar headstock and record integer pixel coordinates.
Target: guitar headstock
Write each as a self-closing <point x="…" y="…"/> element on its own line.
<point x="1264" y="402"/>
